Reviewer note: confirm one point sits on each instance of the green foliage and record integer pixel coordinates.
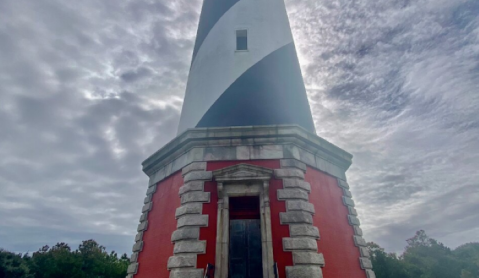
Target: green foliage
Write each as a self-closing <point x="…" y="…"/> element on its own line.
<point x="425" y="257"/>
<point x="89" y="261"/>
<point x="13" y="265"/>
<point x="387" y="265"/>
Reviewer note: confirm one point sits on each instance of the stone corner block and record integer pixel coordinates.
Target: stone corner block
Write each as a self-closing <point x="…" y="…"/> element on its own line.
<point x="353" y="220"/>
<point x="134" y="257"/>
<point x="358" y="231"/>
<point x="295" y="217"/>
<point x="293" y="163"/>
<point x="186" y="273"/>
<point x="138" y="246"/>
<point x="139" y="236"/>
<point x="142" y="226"/>
<point x="288" y="194"/>
<point x="348" y="202"/>
<point x="195" y="166"/>
<point x="365" y="263"/>
<point x="147" y="207"/>
<point x="359" y="241"/>
<point x="297" y="183"/>
<point x="144" y="217"/>
<point x="299" y="205"/>
<point x="200" y="220"/>
<point x="364" y="252"/>
<point x="347" y="193"/>
<point x="151" y="190"/>
<point x="343" y="184"/>
<point x="288" y="173"/>
<point x="192" y="186"/>
<point x="195" y="196"/>
<point x="190" y="246"/>
<point x="182" y="261"/>
<point x="304" y="230"/>
<point x="187" y="233"/>
<point x="147" y="199"/>
<point x="308" y="258"/>
<point x="299" y="244"/>
<point x="352" y="211"/>
<point x="132" y="268"/>
<point x="198" y="175"/>
<point x="190" y="208"/>
<point x="303" y="271"/>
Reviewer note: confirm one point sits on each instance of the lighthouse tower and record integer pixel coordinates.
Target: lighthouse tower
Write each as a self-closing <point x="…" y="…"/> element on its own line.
<point x="247" y="189"/>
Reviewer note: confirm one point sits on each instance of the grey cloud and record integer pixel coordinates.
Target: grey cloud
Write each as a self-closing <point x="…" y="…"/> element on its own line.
<point x="73" y="136"/>
<point x="394" y="83"/>
<point x="88" y="90"/>
<point x="134" y="75"/>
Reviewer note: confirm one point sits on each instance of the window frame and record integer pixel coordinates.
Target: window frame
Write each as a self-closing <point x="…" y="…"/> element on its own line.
<point x="236" y="39"/>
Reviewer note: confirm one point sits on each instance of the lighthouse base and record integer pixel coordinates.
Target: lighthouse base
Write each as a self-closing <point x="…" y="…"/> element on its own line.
<point x="263" y="201"/>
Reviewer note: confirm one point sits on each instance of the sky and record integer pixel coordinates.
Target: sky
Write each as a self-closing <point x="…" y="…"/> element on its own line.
<point x="89" y="89"/>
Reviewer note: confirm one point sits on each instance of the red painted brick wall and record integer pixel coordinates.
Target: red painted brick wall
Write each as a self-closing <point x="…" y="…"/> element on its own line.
<point x="336" y="243"/>
<point x="157" y="246"/>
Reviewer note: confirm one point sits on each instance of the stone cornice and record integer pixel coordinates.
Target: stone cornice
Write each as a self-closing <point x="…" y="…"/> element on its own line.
<point x="247" y="143"/>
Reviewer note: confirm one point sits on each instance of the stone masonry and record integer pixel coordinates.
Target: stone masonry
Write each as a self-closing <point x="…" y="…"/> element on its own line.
<point x="294" y="146"/>
<point x="138" y="246"/>
<point x="358" y="233"/>
<point x="303" y="235"/>
<point x="189" y="221"/>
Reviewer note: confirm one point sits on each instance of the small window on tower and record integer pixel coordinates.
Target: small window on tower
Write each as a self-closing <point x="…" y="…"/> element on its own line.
<point x="241" y="39"/>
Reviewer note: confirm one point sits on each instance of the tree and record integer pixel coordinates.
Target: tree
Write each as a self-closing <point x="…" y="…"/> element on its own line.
<point x="468" y="255"/>
<point x="90" y="260"/>
<point x="55" y="262"/>
<point x="427" y="258"/>
<point x="387" y="265"/>
<point x="12" y="265"/>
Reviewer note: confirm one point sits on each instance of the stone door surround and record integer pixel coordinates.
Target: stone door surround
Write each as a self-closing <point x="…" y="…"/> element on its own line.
<point x="238" y="181"/>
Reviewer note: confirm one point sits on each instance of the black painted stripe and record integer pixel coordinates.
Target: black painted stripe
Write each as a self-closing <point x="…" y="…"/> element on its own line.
<point x="211" y="12"/>
<point x="271" y="92"/>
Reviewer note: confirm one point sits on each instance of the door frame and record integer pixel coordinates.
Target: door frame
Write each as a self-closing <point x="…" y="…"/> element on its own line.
<point x="238" y="181"/>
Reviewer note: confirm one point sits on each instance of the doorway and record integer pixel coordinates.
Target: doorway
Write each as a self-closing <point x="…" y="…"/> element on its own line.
<point x="245" y="250"/>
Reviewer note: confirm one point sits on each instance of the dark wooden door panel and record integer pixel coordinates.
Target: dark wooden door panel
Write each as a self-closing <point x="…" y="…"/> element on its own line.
<point x="237" y="265"/>
<point x="255" y="262"/>
<point x="245" y="249"/>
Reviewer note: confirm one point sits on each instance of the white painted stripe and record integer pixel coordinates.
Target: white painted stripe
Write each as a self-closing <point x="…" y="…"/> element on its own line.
<point x="217" y="65"/>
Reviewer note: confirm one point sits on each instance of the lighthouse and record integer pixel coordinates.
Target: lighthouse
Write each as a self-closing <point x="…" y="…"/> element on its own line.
<point x="247" y="189"/>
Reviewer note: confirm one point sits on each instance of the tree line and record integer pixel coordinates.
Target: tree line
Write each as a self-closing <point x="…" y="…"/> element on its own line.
<point x="423" y="257"/>
<point x="90" y="260"/>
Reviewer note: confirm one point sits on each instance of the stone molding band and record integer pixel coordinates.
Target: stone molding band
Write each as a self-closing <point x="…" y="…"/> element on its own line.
<point x="353" y="220"/>
<point x="303" y="235"/>
<point x="247" y="143"/>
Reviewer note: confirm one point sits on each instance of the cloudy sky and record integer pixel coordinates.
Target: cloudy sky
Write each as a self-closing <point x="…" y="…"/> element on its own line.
<point x="89" y="89"/>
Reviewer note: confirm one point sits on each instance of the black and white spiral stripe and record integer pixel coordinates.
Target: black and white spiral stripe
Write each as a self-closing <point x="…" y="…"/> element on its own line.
<point x="261" y="86"/>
